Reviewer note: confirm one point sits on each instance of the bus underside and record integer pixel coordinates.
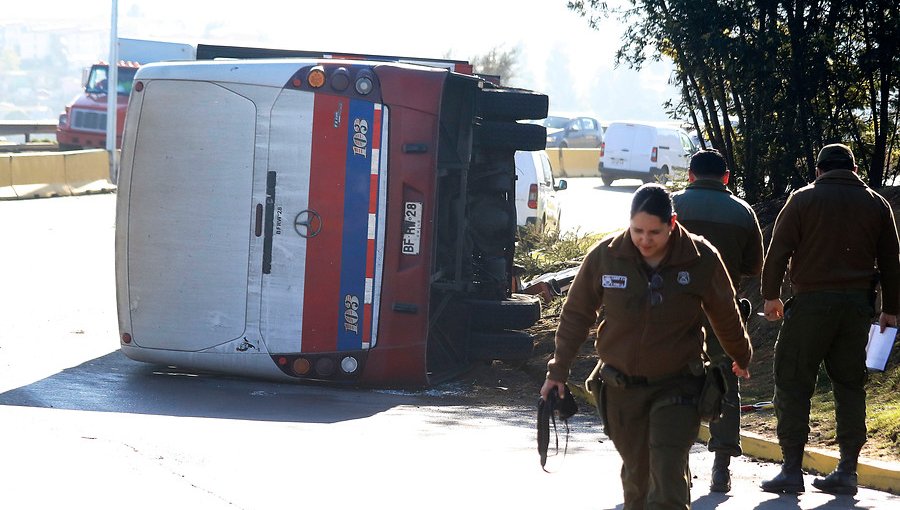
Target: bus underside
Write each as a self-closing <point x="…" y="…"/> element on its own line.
<point x="474" y="316"/>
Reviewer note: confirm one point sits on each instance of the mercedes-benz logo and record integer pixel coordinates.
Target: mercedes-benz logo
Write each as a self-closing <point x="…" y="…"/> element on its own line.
<point x="308" y="223"/>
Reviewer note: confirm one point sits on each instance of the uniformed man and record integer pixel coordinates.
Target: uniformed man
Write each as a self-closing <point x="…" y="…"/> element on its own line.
<point x="706" y="207"/>
<point x="840" y="238"/>
<point x="654" y="281"/>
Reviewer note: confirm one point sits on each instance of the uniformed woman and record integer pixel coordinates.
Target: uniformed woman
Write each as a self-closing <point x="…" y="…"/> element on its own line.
<point x="654" y="281"/>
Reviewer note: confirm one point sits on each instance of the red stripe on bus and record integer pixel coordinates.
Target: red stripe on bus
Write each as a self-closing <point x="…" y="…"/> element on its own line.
<point x="373" y="194"/>
<point x="322" y="301"/>
<point x="370" y="258"/>
<point x="367" y="324"/>
<point x="376" y="128"/>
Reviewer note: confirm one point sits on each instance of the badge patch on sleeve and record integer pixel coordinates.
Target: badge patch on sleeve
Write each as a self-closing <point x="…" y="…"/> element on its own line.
<point x="611" y="281"/>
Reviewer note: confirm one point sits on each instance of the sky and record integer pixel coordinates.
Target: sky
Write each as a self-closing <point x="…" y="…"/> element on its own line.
<point x="560" y="55"/>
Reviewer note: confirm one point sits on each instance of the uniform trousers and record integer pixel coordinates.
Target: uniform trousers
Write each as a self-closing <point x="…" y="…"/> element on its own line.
<point x="725" y="433"/>
<point x="823" y="326"/>
<point x="653" y="427"/>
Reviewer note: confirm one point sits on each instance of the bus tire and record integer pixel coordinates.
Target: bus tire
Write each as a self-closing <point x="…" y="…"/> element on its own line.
<point x="510" y="135"/>
<point x="519" y="311"/>
<point x="511" y="104"/>
<point x="501" y="345"/>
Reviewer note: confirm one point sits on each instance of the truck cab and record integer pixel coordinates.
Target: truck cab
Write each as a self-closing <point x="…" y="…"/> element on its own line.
<point x="83" y="124"/>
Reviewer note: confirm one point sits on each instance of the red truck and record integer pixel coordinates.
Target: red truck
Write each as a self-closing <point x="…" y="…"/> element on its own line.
<point x="83" y="124"/>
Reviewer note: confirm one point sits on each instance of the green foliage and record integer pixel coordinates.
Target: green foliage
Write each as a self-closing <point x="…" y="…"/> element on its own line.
<point x="553" y="308"/>
<point x="882" y="405"/>
<point x="548" y="252"/>
<point x="770" y="83"/>
<point x="886" y="423"/>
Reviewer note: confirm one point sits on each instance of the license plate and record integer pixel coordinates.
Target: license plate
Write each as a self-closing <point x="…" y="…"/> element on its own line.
<point x="412" y="228"/>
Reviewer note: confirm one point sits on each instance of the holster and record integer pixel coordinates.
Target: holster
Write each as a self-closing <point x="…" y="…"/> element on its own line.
<point x="597" y="389"/>
<point x="710" y="403"/>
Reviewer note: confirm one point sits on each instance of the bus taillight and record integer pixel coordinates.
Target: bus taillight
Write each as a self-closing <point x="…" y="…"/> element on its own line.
<point x="316" y="77"/>
<point x="654" y="154"/>
<point x="325" y="366"/>
<point x="126" y="338"/>
<point x="349" y="365"/>
<point x="301" y="366"/>
<point x="365" y="82"/>
<point x="340" y="79"/>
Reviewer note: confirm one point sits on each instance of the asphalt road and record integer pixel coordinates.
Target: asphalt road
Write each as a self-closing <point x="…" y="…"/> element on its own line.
<point x="587" y="206"/>
<point x="84" y="427"/>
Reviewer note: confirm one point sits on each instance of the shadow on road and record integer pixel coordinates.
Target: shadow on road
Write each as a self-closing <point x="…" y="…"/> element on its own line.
<point x="113" y="383"/>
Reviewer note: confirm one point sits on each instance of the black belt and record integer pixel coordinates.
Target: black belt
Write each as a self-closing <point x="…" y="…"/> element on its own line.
<point x="639" y="380"/>
<point x="616" y="378"/>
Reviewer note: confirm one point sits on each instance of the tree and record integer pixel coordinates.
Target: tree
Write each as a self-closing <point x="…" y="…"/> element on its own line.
<point x="772" y="81"/>
<point x="498" y="62"/>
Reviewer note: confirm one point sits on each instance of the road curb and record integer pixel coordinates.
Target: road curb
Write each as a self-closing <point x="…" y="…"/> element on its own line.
<point x="872" y="473"/>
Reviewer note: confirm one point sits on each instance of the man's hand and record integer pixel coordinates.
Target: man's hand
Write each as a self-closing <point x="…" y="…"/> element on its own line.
<point x="885" y="320"/>
<point x="550" y="385"/>
<point x="743" y="373"/>
<point x="773" y="309"/>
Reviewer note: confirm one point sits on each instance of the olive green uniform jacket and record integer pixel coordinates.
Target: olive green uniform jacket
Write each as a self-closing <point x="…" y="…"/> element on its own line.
<point x="708" y="208"/>
<point x="834" y="232"/>
<point x="635" y="337"/>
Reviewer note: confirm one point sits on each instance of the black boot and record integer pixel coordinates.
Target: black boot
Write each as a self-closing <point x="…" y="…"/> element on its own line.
<point x="721" y="477"/>
<point x="790" y="479"/>
<point x="843" y="479"/>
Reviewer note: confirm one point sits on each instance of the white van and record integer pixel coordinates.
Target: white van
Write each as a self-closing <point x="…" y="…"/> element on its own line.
<point x="536" y="200"/>
<point x="646" y="151"/>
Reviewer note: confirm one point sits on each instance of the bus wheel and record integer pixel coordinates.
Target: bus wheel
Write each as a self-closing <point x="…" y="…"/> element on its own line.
<point x="511" y="135"/>
<point x="511" y="104"/>
<point x="519" y="311"/>
<point x="501" y="345"/>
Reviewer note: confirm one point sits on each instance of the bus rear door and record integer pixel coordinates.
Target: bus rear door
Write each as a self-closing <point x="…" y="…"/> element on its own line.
<point x="324" y="201"/>
<point x="186" y="252"/>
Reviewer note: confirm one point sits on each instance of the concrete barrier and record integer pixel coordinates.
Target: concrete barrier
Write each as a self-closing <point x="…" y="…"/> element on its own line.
<point x="39" y="175"/>
<point x="574" y="162"/>
<point x="6" y="189"/>
<point x="87" y="171"/>
<point x="53" y="174"/>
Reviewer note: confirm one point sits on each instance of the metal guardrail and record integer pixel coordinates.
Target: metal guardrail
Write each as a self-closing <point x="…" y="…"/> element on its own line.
<point x="27" y="127"/>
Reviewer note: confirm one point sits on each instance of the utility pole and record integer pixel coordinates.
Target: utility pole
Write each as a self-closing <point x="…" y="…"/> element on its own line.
<point x="112" y="93"/>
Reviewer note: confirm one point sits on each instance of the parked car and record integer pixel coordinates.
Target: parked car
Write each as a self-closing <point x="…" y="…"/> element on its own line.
<point x="575" y="132"/>
<point x="536" y="200"/>
<point x="695" y="139"/>
<point x="646" y="151"/>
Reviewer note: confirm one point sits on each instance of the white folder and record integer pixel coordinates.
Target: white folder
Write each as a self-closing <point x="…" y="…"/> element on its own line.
<point x="879" y="347"/>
